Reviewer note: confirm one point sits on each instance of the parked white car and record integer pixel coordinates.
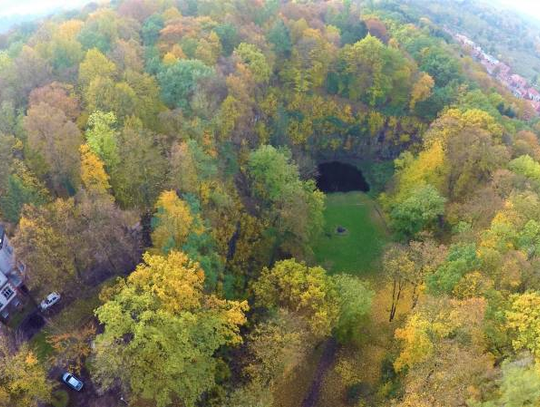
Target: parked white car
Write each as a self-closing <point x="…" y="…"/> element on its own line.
<point x="72" y="381"/>
<point x="48" y="302"/>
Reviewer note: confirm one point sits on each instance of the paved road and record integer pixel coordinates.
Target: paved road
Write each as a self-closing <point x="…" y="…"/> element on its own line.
<point x="31" y="325"/>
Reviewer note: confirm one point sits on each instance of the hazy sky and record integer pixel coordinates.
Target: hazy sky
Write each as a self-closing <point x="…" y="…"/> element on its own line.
<point x="11" y="7"/>
<point x="529" y="7"/>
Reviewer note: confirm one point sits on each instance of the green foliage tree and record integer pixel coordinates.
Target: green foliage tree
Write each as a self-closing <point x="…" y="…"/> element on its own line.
<point x="280" y="38"/>
<point x="95" y="65"/>
<point x="228" y="35"/>
<point x="17" y="195"/>
<point x="179" y="81"/>
<point x="255" y="60"/>
<point x="419" y="211"/>
<point x="355" y="299"/>
<point x="442" y="67"/>
<point x="102" y="138"/>
<point x="140" y="175"/>
<point x="375" y="73"/>
<point x="292" y="206"/>
<point x="519" y="386"/>
<point x="151" y="28"/>
<point x="461" y="259"/>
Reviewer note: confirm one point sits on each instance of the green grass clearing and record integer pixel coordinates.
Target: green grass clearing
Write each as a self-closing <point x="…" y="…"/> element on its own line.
<point x="43" y="349"/>
<point x="358" y="250"/>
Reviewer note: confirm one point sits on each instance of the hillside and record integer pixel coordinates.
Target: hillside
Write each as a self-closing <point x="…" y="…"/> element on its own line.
<point x="244" y="203"/>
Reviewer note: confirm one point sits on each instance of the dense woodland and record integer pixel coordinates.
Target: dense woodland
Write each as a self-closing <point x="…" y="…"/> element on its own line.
<point x="162" y="153"/>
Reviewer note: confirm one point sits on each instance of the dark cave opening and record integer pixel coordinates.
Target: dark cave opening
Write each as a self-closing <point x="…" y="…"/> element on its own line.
<point x="337" y="176"/>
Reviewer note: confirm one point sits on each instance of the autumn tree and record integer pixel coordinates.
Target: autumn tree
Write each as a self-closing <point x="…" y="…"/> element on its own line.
<point x="523" y="322"/>
<point x="307" y="291"/>
<point x="446" y="337"/>
<point x="23" y="380"/>
<point x="95" y="65"/>
<point x="160" y="317"/>
<point x="421" y="90"/>
<point x="93" y="175"/>
<point x="65" y="241"/>
<point x="173" y="222"/>
<point x="72" y="348"/>
<point x="45" y="251"/>
<point x="375" y="73"/>
<point x="275" y="348"/>
<point x="108" y="238"/>
<point x="140" y="175"/>
<point x="29" y="71"/>
<point x="255" y="60"/>
<point x="58" y="95"/>
<point x="191" y="167"/>
<point x="399" y="268"/>
<point x="53" y="141"/>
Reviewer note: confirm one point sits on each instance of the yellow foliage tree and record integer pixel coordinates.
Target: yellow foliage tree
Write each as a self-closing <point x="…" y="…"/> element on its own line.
<point x="95" y="65"/>
<point x="173" y="222"/>
<point x="160" y="317"/>
<point x="23" y="380"/>
<point x="421" y="89"/>
<point x="307" y="291"/>
<point x="524" y="322"/>
<point x="93" y="175"/>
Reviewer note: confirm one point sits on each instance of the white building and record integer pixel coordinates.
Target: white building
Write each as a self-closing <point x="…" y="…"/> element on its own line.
<point x="11" y="275"/>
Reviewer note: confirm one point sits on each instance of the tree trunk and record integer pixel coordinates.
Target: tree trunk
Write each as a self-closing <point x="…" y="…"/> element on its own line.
<point x="396" y="295"/>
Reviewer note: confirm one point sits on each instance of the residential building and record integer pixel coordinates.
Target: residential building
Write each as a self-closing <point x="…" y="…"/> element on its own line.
<point x="533" y="94"/>
<point x="11" y="279"/>
<point x="519" y="80"/>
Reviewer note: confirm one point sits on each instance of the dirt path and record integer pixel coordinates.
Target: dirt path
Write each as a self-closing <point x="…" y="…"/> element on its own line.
<point x="326" y="361"/>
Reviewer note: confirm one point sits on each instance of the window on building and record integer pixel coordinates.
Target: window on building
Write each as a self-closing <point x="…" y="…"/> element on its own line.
<point x="7" y="292"/>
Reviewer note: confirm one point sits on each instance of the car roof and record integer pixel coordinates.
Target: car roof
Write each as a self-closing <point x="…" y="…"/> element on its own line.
<point x="73" y="381"/>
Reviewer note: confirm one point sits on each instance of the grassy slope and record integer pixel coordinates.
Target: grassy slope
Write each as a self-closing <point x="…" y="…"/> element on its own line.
<point x="358" y="250"/>
<point x="359" y="253"/>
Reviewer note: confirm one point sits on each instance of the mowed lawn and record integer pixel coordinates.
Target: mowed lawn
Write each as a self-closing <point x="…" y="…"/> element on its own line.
<point x="358" y="250"/>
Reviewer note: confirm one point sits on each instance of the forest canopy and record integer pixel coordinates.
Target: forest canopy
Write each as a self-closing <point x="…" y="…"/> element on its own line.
<point x="158" y="168"/>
